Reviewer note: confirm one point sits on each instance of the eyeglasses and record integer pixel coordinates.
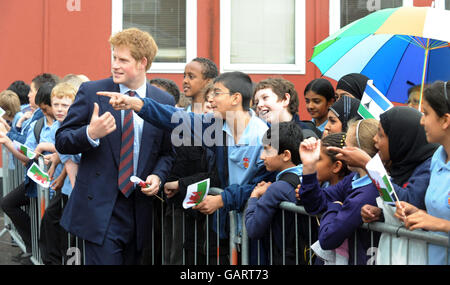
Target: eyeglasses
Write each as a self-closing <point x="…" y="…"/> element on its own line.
<point x="217" y="93"/>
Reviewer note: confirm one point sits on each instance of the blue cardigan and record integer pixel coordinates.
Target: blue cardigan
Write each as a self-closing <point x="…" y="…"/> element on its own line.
<point x="339" y="222"/>
<point x="416" y="187"/>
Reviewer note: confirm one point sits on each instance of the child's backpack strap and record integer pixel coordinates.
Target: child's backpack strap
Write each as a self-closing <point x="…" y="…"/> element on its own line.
<point x="38" y="128"/>
<point x="290" y="178"/>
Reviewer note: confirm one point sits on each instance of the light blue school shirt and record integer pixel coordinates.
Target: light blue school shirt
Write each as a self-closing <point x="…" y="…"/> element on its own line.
<point x="47" y="134"/>
<point x="244" y="158"/>
<point x="437" y="202"/>
<point x="358" y="182"/>
<point x="138" y="122"/>
<point x="321" y="127"/>
<point x="67" y="187"/>
<point x="295" y="169"/>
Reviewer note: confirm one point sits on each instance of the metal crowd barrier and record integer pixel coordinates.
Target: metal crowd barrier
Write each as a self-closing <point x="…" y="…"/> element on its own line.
<point x="239" y="245"/>
<point x="13" y="174"/>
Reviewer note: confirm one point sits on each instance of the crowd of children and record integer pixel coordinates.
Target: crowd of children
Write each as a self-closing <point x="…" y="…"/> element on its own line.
<point x="249" y="140"/>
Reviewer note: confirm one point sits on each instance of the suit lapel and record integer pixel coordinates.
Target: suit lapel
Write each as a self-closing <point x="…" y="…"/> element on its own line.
<point x="114" y="138"/>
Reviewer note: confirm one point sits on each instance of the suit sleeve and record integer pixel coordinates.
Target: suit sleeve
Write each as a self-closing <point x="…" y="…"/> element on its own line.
<point x="165" y="160"/>
<point x="71" y="137"/>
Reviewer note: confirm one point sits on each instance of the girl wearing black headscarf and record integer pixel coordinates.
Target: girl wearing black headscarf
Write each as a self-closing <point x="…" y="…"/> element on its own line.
<point x="340" y="113"/>
<point x="402" y="145"/>
<point x="352" y="85"/>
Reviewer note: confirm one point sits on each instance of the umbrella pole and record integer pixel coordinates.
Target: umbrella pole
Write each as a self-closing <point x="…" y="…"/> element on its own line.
<point x="424" y="72"/>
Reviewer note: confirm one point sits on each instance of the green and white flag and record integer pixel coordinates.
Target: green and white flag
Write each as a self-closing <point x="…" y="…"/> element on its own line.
<point x="196" y="193"/>
<point x="2" y="112"/>
<point x="380" y="178"/>
<point x="373" y="103"/>
<point x="24" y="150"/>
<point x="38" y="176"/>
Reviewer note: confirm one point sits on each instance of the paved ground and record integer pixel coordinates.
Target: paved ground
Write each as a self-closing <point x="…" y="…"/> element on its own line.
<point x="6" y="249"/>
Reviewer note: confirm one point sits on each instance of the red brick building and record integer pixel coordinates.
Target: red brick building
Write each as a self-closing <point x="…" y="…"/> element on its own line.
<point x="261" y="37"/>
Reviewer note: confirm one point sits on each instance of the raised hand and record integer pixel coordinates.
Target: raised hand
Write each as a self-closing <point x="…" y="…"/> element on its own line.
<point x="309" y="153"/>
<point x="100" y="126"/>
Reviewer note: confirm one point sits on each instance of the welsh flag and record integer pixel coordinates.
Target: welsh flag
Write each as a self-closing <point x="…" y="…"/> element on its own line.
<point x="24" y="150"/>
<point x="380" y="179"/>
<point x="196" y="193"/>
<point x="38" y="176"/>
<point x="373" y="103"/>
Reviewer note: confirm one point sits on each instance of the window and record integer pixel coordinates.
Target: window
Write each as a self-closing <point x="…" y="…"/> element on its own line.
<point x="442" y="4"/>
<point x="343" y="12"/>
<point x="263" y="36"/>
<point x="172" y="23"/>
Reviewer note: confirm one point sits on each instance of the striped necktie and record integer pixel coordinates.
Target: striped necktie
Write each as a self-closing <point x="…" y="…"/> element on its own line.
<point x="126" y="152"/>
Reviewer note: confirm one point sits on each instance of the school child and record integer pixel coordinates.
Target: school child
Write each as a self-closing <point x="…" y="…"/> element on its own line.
<point x="276" y="100"/>
<point x="53" y="238"/>
<point x="403" y="148"/>
<point x="331" y="170"/>
<point x="340" y="113"/>
<point x="341" y="204"/>
<point x="167" y="85"/>
<point x="209" y="95"/>
<point x="10" y="103"/>
<point x="189" y="161"/>
<point x="436" y="122"/>
<point x="197" y="74"/>
<point x="352" y="85"/>
<point x="263" y="212"/>
<point x="23" y="119"/>
<point x="319" y="96"/>
<point x="36" y="140"/>
<point x="232" y="131"/>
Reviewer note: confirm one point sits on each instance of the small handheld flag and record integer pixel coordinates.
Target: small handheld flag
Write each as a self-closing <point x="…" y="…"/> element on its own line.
<point x="373" y="103"/>
<point x="24" y="150"/>
<point x="141" y="183"/>
<point x="38" y="176"/>
<point x="380" y="178"/>
<point x="2" y="112"/>
<point x="196" y="193"/>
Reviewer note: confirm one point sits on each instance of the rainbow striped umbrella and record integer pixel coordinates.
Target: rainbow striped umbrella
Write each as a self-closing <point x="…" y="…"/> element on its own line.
<point x="391" y="47"/>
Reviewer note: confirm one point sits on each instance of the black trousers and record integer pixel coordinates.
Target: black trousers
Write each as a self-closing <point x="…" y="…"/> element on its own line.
<point x="53" y="238"/>
<point x="11" y="204"/>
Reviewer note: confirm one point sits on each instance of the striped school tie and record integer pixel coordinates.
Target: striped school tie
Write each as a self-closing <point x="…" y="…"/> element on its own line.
<point x="126" y="153"/>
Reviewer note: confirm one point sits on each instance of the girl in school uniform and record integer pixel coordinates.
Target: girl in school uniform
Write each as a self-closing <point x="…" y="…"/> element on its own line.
<point x="406" y="153"/>
<point x="340" y="113"/>
<point x="341" y="204"/>
<point x="436" y="121"/>
<point x="319" y="96"/>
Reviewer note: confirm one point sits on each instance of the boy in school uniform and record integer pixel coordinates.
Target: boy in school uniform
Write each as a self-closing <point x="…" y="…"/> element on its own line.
<point x="11" y="204"/>
<point x="263" y="210"/>
<point x="53" y="238"/>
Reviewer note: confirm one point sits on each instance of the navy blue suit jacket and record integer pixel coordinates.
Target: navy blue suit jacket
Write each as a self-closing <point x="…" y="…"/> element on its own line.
<point x="89" y="209"/>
